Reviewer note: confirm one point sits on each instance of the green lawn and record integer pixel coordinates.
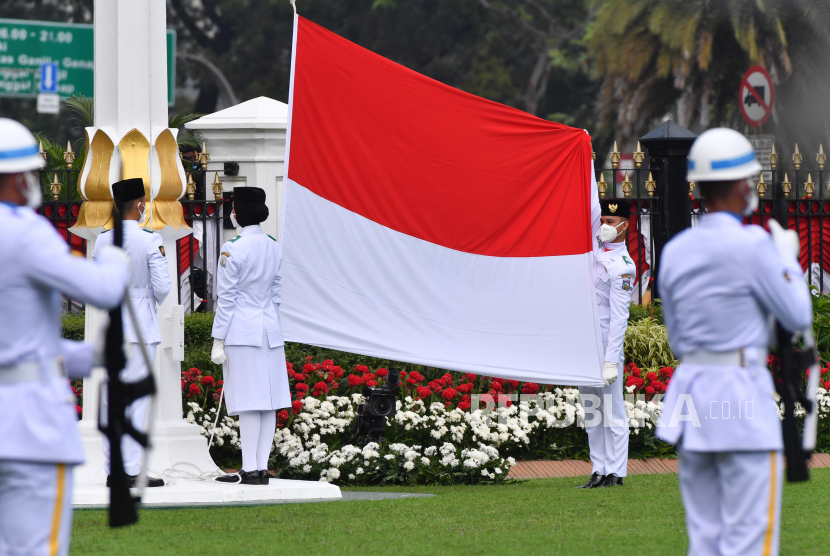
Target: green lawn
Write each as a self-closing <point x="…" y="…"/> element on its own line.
<point x="535" y="517"/>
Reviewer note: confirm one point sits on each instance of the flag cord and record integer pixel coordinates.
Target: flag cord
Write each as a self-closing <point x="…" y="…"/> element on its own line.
<point x="294" y="5"/>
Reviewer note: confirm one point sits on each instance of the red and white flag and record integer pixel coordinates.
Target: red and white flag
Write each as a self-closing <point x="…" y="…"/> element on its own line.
<point x="427" y="225"/>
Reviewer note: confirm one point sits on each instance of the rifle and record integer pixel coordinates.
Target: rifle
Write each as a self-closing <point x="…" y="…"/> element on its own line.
<point x="793" y="362"/>
<point x="114" y="423"/>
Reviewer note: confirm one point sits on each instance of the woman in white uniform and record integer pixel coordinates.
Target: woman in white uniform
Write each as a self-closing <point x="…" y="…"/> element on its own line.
<point x="248" y="340"/>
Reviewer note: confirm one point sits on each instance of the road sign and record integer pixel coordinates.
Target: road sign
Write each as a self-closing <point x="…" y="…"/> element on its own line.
<point x="26" y="45"/>
<point x="48" y="78"/>
<point x="48" y="103"/>
<point x="756" y="96"/>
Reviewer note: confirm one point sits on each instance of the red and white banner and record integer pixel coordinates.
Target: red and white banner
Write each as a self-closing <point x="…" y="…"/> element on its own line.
<point x="423" y="224"/>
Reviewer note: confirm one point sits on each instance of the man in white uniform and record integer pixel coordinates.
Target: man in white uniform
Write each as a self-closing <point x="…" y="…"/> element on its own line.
<point x="720" y="282"/>
<point x="247" y="328"/>
<point x="149" y="285"/>
<point x="39" y="441"/>
<point x="615" y="275"/>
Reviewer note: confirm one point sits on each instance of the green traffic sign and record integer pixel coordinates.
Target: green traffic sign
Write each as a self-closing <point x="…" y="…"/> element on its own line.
<point x="25" y="45"/>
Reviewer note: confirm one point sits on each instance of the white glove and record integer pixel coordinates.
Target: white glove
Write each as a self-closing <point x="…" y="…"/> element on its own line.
<point x="786" y="241"/>
<point x="217" y="354"/>
<point x="609" y="373"/>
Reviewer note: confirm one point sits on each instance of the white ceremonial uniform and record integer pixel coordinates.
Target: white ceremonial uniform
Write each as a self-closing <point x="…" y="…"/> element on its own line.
<point x="149" y="285"/>
<point x="615" y="276"/>
<point x="40" y="442"/>
<point x="719" y="283"/>
<point x="247" y="319"/>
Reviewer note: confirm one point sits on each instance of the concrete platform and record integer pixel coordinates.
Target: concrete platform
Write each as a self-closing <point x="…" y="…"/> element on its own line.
<point x="192" y="493"/>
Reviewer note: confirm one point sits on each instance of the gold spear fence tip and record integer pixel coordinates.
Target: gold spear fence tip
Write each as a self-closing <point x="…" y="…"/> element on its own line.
<point x="786" y="186"/>
<point x="809" y="186"/>
<point x="615" y="157"/>
<point x="602" y="185"/>
<point x="773" y="158"/>
<point x="821" y="158"/>
<point x="651" y="185"/>
<point x="626" y="186"/>
<point x="204" y="157"/>
<point x="691" y="187"/>
<point x="40" y="150"/>
<point x="55" y="187"/>
<point x="191" y="187"/>
<point x="762" y="186"/>
<point x="69" y="154"/>
<point x="217" y="187"/>
<point x="639" y="156"/>
<point x="797" y="158"/>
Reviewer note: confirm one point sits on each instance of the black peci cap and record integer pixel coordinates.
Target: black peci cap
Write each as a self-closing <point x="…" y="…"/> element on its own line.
<point x="616" y="207"/>
<point x="125" y="191"/>
<point x="249" y="205"/>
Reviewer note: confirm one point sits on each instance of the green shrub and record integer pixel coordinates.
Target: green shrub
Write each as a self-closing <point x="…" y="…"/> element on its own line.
<point x="653" y="311"/>
<point x="647" y="345"/>
<point x="198" y="343"/>
<point x="73" y="326"/>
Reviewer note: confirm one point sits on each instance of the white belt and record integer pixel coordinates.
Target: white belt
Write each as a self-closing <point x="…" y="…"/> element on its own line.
<point x="737" y="358"/>
<point x="29" y="371"/>
<point x="140" y="292"/>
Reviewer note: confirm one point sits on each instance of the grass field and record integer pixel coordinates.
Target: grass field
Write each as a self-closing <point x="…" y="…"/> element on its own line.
<point x="535" y="517"/>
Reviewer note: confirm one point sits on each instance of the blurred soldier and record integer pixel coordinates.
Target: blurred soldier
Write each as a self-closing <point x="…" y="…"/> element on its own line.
<point x="40" y="443"/>
<point x="720" y="282"/>
<point x="149" y="285"/>
<point x="247" y="328"/>
<point x="615" y="276"/>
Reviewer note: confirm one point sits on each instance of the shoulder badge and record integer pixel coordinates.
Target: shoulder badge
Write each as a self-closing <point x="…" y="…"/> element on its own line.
<point x="234" y="239"/>
<point x="161" y="248"/>
<point x="626" y="282"/>
<point x="223" y="260"/>
<point x="272" y="237"/>
<point x="627" y="260"/>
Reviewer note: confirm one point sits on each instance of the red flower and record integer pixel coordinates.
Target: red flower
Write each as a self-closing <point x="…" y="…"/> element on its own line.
<point x="308" y="368"/>
<point x="470" y="376"/>
<point x="447" y="378"/>
<point x="194" y="371"/>
<point x="424" y="392"/>
<point x="411" y="381"/>
<point x="355" y="380"/>
<point x="530" y="388"/>
<point x="649" y="390"/>
<point x="658" y="386"/>
<point x="635" y="371"/>
<point x="381" y="372"/>
<point x="465" y="388"/>
<point x="308" y="358"/>
<point x="330" y="377"/>
<point x="367" y="377"/>
<point x="465" y="398"/>
<point x="774" y="362"/>
<point x="435" y="386"/>
<point x="208" y="380"/>
<point x="301" y="387"/>
<point x="185" y="376"/>
<point x="220" y="383"/>
<point x="635" y="381"/>
<point x="297" y="406"/>
<point x="371" y="383"/>
<point x="497" y="387"/>
<point x="361" y="368"/>
<point x="194" y="389"/>
<point x="825" y="371"/>
<point x="79" y="409"/>
<point x="449" y="393"/>
<point x="338" y="372"/>
<point x="826" y="385"/>
<point x="651" y="376"/>
<point x="299" y="377"/>
<point x="416" y="376"/>
<point x="463" y="406"/>
<point x="504" y="400"/>
<point x="282" y="416"/>
<point x="512" y="385"/>
<point x="321" y="387"/>
<point x="183" y="385"/>
<point x="666" y="372"/>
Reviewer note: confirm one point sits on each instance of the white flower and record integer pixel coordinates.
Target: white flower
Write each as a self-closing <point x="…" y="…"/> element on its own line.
<point x="359" y="471"/>
<point x="389" y="457"/>
<point x="410" y="455"/>
<point x="351" y="477"/>
<point x="425" y="461"/>
<point x="334" y="473"/>
<point x="484" y="472"/>
<point x="430" y="451"/>
<point x="409" y="466"/>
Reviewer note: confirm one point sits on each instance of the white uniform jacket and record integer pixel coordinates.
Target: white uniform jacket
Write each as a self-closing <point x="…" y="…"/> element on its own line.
<point x="248" y="290"/>
<point x="615" y="275"/>
<point x="719" y="283"/>
<point x="38" y="418"/>
<point x="149" y="278"/>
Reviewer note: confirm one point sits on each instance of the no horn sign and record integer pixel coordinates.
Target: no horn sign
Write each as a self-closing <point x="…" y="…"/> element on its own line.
<point x="756" y="96"/>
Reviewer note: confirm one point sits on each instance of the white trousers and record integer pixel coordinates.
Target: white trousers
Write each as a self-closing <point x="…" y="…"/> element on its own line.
<point x="131" y="451"/>
<point x="608" y="434"/>
<point x="256" y="434"/>
<point x="732" y="502"/>
<point x="35" y="508"/>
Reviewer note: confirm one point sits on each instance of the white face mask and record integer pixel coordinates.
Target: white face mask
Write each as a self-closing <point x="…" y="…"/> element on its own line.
<point x="142" y="213"/>
<point x="752" y="202"/>
<point x="609" y="233"/>
<point x="233" y="220"/>
<point x="32" y="192"/>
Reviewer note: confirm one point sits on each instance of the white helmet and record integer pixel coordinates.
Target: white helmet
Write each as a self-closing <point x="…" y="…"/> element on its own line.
<point x="18" y="149"/>
<point x="722" y="154"/>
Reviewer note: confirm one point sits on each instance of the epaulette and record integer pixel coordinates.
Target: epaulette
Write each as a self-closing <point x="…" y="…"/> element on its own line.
<point x="272" y="237"/>
<point x="234" y="239"/>
<point x="148" y="231"/>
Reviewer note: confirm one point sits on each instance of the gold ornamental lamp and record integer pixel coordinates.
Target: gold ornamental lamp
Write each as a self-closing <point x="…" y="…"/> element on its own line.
<point x="204" y="157"/>
<point x="190" y="187"/>
<point x="691" y="187"/>
<point x="786" y="186"/>
<point x="773" y="158"/>
<point x="217" y="187"/>
<point x="602" y="185"/>
<point x="55" y="187"/>
<point x="651" y="185"/>
<point x="762" y="186"/>
<point x="615" y="157"/>
<point x="639" y="156"/>
<point x="821" y="158"/>
<point x="809" y="186"/>
<point x="69" y="155"/>
<point x="797" y="158"/>
<point x="626" y="186"/>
